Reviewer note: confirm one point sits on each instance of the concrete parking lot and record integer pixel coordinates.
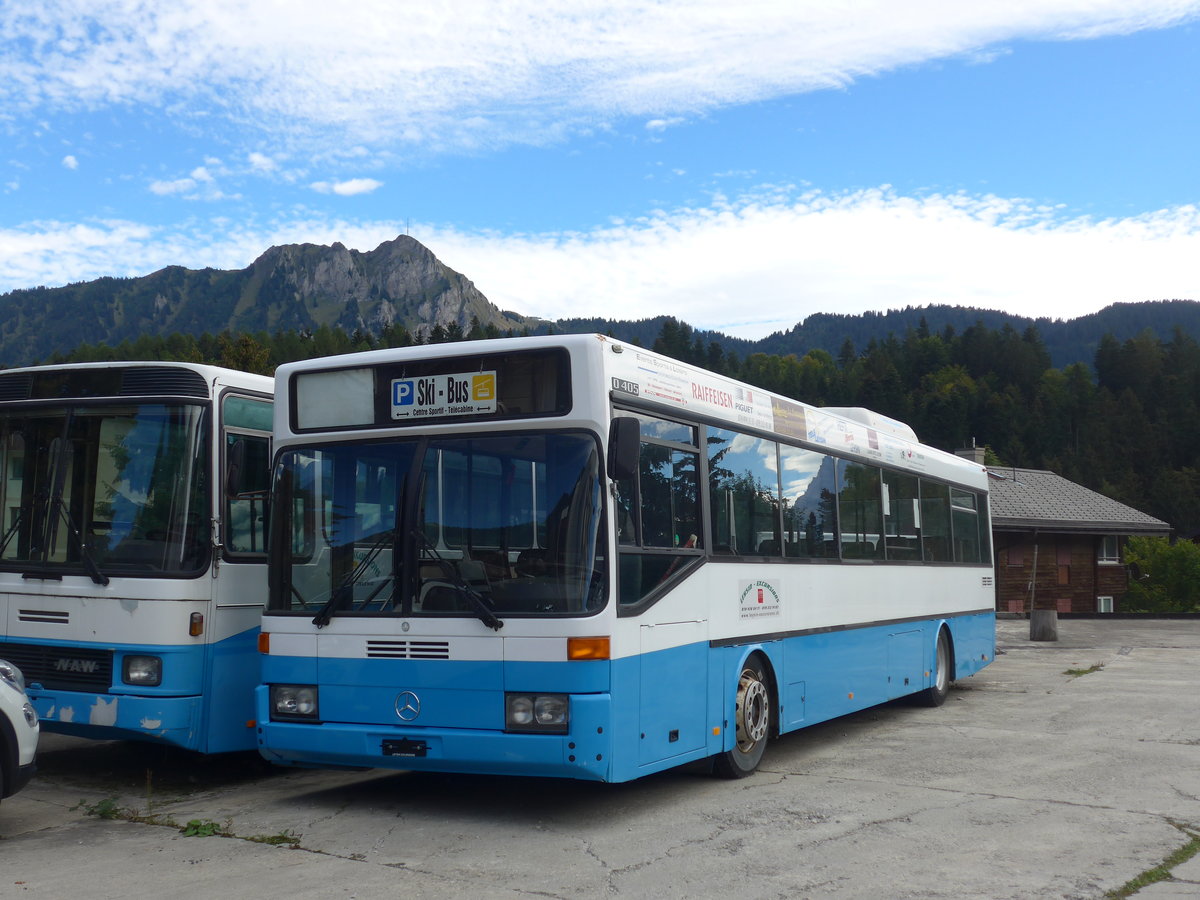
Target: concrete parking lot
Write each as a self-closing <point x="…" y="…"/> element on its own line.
<point x="1064" y="769"/>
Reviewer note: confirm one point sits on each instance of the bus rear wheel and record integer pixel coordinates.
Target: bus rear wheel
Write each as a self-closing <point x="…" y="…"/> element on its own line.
<point x="935" y="694"/>
<point x="752" y="718"/>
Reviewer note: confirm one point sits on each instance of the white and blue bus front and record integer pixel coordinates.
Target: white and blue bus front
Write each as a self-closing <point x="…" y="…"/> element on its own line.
<point x="107" y="558"/>
<point x="439" y="573"/>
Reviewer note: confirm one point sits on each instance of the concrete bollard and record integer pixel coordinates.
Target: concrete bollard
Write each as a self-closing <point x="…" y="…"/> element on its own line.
<point x="1043" y="625"/>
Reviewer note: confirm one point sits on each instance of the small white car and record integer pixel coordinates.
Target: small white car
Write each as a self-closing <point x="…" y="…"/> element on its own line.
<point x="18" y="731"/>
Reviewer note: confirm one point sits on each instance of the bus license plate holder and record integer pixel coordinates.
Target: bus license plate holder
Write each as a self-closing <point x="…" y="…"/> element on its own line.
<point x="405" y="747"/>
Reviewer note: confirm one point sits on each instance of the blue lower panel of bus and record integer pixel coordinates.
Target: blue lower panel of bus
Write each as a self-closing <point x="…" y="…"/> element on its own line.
<point x="205" y="702"/>
<point x="628" y="718"/>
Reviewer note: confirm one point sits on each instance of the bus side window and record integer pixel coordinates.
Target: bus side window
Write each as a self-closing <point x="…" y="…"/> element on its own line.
<point x="965" y="521"/>
<point x="669" y="497"/>
<point x="809" y="503"/>
<point x="743" y="474"/>
<point x="658" y="509"/>
<point x="860" y="510"/>
<point x="935" y="521"/>
<point x="901" y="516"/>
<point x="247" y="423"/>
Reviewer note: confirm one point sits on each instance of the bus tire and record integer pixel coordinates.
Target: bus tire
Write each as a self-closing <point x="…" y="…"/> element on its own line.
<point x="752" y="719"/>
<point x="935" y="694"/>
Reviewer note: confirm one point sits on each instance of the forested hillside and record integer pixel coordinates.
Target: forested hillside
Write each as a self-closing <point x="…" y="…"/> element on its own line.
<point x="1128" y="426"/>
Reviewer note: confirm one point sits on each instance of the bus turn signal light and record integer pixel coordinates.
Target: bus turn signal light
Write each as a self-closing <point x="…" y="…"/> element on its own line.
<point x="588" y="648"/>
<point x="196" y="624"/>
<point x="264" y="642"/>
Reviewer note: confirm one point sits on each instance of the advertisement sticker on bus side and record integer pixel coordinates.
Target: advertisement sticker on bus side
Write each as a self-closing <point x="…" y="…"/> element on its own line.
<point x="465" y="394"/>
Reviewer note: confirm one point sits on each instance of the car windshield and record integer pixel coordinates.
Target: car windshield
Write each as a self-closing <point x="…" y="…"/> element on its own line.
<point x="488" y="526"/>
<point x="104" y="489"/>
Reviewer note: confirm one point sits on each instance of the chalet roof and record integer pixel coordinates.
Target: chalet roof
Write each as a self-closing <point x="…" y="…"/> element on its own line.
<point x="1031" y="498"/>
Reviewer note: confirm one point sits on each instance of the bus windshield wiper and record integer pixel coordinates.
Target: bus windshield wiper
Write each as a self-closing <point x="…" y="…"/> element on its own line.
<point x="85" y="555"/>
<point x="345" y="588"/>
<point x="12" y="529"/>
<point x="482" y="610"/>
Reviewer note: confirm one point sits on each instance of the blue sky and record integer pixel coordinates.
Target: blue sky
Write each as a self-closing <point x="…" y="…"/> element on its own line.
<point x="740" y="166"/>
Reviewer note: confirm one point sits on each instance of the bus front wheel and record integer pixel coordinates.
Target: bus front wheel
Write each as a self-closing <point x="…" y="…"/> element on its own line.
<point x="752" y="718"/>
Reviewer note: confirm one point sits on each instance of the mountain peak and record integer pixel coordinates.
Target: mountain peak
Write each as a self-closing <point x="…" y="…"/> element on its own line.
<point x="288" y="287"/>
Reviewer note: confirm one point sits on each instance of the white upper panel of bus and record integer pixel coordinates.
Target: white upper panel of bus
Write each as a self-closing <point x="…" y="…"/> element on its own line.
<point x="215" y="376"/>
<point x="605" y="369"/>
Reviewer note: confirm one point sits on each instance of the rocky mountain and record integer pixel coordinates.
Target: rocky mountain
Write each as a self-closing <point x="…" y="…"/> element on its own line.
<point x="301" y="287"/>
<point x="288" y="288"/>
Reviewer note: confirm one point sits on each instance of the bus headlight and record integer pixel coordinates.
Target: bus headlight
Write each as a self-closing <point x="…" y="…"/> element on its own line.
<point x="144" y="671"/>
<point x="550" y="713"/>
<point x="294" y="701"/>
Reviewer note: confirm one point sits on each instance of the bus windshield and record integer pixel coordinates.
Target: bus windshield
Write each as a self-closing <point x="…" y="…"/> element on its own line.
<point x="104" y="489"/>
<point x="485" y="526"/>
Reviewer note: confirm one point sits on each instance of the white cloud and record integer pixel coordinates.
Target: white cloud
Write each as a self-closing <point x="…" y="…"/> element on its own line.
<point x="347" y="188"/>
<point x="260" y="162"/>
<point x="752" y="267"/>
<point x="446" y="76"/>
<point x="70" y="162"/>
<point x="746" y="267"/>
<point x="176" y="186"/>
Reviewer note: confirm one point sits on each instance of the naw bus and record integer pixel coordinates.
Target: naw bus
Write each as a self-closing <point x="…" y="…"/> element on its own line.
<point x="131" y="584"/>
<point x="568" y="556"/>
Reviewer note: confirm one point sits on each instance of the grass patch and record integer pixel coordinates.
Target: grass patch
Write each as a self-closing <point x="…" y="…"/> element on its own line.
<point x="203" y="828"/>
<point x="108" y="808"/>
<point x="286" y="837"/>
<point x="1161" y="872"/>
<point x="1075" y="673"/>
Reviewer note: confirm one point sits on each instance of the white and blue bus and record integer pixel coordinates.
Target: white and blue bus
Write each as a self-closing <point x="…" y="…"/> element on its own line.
<point x="131" y="583"/>
<point x="568" y="556"/>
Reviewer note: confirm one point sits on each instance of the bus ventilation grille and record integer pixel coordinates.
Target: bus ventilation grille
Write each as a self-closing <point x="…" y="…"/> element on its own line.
<point x="62" y="668"/>
<point x="44" y="616"/>
<point x="16" y="387"/>
<point x="408" y="650"/>
<point x="144" y="380"/>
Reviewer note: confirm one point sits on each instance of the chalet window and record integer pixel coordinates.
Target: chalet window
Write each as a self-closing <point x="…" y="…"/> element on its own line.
<point x="1109" y="551"/>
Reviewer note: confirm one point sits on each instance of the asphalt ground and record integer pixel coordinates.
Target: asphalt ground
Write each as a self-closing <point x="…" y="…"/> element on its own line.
<point x="1065" y="769"/>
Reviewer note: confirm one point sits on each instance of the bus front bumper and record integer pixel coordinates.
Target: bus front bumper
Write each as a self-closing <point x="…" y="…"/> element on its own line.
<point x="171" y="720"/>
<point x="583" y="753"/>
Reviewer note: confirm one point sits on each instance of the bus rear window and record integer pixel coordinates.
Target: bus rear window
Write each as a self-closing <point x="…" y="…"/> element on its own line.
<point x="412" y="392"/>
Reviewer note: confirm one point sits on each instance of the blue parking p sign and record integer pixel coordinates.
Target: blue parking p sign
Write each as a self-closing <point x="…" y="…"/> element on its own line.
<point x="402" y="393"/>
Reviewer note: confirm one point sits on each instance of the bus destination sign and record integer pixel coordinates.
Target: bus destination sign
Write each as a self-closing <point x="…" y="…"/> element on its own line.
<point x="429" y="396"/>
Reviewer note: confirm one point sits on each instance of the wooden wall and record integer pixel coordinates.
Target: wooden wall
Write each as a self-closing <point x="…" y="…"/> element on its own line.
<point x="1069" y="578"/>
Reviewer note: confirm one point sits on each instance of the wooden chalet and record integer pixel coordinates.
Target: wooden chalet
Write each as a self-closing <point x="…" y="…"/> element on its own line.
<point x="1059" y="546"/>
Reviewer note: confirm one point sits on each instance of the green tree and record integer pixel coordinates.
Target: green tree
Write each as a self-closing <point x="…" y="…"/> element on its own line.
<point x="1168" y="578"/>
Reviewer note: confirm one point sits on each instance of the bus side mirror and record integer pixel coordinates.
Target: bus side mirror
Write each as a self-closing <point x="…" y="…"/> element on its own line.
<point x="235" y="467"/>
<point x="624" y="444"/>
<point x="246" y="469"/>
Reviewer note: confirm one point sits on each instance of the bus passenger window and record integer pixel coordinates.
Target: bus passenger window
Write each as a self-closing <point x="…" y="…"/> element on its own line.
<point x="901" y="519"/>
<point x="860" y="511"/>
<point x="744" y="491"/>
<point x="809" y="503"/>
<point x="964" y="520"/>
<point x="935" y="521"/>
